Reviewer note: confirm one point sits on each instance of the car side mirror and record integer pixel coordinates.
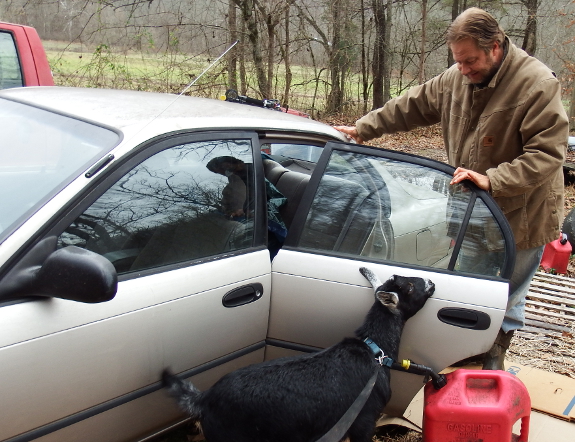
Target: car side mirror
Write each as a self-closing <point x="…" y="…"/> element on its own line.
<point x="69" y="273"/>
<point x="78" y="275"/>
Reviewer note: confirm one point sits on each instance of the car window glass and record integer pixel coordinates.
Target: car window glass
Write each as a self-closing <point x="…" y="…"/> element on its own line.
<point x="41" y="153"/>
<point x="10" y="72"/>
<point x="397" y="211"/>
<point x="482" y="250"/>
<point x="187" y="202"/>
<point x="294" y="151"/>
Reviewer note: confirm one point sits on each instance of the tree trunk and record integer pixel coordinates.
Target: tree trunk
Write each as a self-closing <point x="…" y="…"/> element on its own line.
<point x="249" y="16"/>
<point x="287" y="61"/>
<point x="455" y="11"/>
<point x="572" y="109"/>
<point x="242" y="53"/>
<point x="364" y="74"/>
<point x="530" y="37"/>
<point x="336" y="62"/>
<point x="380" y="60"/>
<point x="233" y="54"/>
<point x="271" y="43"/>
<point x="387" y="58"/>
<point x="421" y="76"/>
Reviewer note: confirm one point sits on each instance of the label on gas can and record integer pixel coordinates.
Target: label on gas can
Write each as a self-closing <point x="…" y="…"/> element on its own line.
<point x="471" y="432"/>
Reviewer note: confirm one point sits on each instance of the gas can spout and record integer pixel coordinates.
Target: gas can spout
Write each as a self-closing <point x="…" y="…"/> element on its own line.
<point x="438" y="380"/>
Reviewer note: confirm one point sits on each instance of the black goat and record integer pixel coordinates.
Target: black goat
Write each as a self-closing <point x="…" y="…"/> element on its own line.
<point x="299" y="399"/>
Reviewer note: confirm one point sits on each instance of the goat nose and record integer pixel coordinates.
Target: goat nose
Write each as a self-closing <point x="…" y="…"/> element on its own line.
<point x="429" y="285"/>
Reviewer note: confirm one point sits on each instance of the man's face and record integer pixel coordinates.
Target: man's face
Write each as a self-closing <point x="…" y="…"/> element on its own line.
<point x="474" y="63"/>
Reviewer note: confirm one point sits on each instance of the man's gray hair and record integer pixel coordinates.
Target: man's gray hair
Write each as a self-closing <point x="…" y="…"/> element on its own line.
<point x="478" y="25"/>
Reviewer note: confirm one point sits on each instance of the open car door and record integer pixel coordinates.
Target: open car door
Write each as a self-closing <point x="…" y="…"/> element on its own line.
<point x="396" y="214"/>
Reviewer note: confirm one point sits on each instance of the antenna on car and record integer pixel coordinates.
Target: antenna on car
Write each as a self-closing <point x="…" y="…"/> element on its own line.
<point x="208" y="68"/>
<point x="194" y="81"/>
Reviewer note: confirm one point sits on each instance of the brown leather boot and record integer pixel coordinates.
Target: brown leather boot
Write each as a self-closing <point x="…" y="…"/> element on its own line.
<point x="494" y="358"/>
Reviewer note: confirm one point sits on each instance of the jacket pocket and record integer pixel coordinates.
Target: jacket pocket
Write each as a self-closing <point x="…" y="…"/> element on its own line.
<point x="456" y="134"/>
<point x="515" y="210"/>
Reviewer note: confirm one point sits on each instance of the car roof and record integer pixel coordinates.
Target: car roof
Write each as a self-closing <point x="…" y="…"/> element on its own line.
<point x="159" y="112"/>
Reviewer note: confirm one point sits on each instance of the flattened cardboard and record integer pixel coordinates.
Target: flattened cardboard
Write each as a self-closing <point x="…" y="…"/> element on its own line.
<point x="391" y="420"/>
<point x="550" y="393"/>
<point x="414" y="412"/>
<point x="546" y="428"/>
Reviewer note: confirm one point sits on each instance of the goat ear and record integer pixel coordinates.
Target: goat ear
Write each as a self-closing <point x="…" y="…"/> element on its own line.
<point x="388" y="299"/>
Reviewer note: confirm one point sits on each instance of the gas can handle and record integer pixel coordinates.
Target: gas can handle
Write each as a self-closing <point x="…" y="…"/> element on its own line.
<point x="523" y="436"/>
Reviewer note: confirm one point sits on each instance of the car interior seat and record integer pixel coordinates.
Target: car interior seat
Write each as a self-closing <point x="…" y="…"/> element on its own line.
<point x="291" y="184"/>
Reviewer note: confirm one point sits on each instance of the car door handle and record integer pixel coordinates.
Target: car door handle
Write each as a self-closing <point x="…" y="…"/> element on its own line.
<point x="464" y="318"/>
<point x="243" y="295"/>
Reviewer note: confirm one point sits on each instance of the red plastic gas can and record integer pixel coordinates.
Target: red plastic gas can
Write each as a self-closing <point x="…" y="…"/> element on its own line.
<point x="476" y="406"/>
<point x="556" y="255"/>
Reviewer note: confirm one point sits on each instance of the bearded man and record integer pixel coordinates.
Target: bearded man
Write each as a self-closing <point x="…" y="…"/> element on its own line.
<point x="505" y="129"/>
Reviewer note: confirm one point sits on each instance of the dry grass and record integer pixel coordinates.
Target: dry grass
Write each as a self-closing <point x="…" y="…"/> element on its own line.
<point x="383" y="434"/>
<point x="554" y="354"/>
<point x="396" y="434"/>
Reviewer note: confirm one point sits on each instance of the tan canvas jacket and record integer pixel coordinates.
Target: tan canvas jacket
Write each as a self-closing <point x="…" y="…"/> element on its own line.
<point x="514" y="131"/>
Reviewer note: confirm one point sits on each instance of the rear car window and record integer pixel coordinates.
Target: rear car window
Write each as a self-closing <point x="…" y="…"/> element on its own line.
<point x="402" y="212"/>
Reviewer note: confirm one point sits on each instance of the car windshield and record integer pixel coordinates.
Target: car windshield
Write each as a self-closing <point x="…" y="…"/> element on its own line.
<point x="41" y="152"/>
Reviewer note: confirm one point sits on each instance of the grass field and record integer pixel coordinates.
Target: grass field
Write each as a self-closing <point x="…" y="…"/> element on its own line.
<point x="75" y="64"/>
<point x="103" y="66"/>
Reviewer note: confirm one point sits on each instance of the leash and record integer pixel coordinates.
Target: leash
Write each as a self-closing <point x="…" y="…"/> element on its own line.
<point x="340" y="428"/>
<point x="338" y="431"/>
<point x="439" y="380"/>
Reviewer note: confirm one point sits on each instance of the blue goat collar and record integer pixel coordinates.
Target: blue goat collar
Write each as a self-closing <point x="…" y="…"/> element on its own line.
<point x="380" y="356"/>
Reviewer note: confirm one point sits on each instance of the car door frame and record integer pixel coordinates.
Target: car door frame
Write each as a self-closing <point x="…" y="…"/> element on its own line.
<point x="286" y="266"/>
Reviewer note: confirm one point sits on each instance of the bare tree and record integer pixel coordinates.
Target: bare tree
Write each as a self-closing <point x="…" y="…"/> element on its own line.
<point x="530" y="38"/>
<point x="364" y="59"/>
<point x="287" y="55"/>
<point x="233" y="56"/>
<point x="337" y="46"/>
<point x="340" y="55"/>
<point x="272" y="13"/>
<point x="421" y="76"/>
<point x="381" y="53"/>
<point x="247" y="7"/>
<point x="572" y="107"/>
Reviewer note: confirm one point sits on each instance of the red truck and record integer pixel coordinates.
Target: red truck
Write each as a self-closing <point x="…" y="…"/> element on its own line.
<point x="23" y="61"/>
